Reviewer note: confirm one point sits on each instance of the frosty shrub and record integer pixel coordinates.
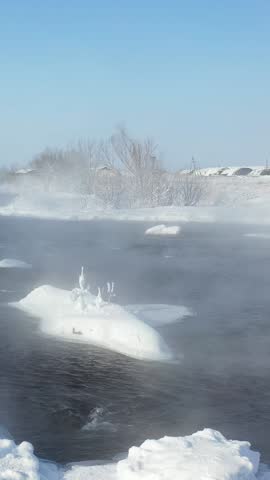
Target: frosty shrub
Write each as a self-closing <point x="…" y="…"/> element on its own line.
<point x="189" y="189"/>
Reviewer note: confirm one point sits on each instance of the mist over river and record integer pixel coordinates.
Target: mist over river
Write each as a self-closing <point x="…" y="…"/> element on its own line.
<point x="75" y="401"/>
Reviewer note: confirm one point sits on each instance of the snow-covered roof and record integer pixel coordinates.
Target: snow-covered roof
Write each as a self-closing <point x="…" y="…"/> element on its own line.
<point x="245" y="170"/>
<point x="23" y="171"/>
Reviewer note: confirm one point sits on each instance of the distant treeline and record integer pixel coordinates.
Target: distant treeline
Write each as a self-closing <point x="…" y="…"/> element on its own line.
<point x="121" y="171"/>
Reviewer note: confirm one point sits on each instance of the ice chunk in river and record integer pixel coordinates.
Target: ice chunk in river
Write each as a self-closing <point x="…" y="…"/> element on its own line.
<point x="13" y="263"/>
<point x="107" y="325"/>
<point x="163" y="230"/>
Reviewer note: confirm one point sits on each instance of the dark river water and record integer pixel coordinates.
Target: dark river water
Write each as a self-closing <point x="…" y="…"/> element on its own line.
<point x="74" y="401"/>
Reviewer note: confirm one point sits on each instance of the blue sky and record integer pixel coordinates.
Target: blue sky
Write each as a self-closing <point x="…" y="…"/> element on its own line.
<point x="194" y="75"/>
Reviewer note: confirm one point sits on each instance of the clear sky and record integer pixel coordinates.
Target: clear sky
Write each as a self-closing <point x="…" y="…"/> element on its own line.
<point x="193" y="74"/>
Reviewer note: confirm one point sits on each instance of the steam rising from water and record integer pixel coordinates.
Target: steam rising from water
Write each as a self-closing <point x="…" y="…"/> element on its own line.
<point x="97" y="421"/>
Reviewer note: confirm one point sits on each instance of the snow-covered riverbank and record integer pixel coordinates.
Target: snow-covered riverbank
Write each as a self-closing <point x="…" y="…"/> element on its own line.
<point x="228" y="199"/>
<point x="57" y="207"/>
<point x="205" y="454"/>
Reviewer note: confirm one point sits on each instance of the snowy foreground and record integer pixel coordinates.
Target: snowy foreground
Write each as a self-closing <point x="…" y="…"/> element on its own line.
<point x="81" y="316"/>
<point x="203" y="455"/>
<point x="20" y="463"/>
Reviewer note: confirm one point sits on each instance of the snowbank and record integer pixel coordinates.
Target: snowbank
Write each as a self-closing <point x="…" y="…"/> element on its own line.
<point x="20" y="463"/>
<point x="52" y="205"/>
<point x="204" y="455"/>
<point x="107" y="325"/>
<point x="13" y="263"/>
<point x="255" y="211"/>
<point x="93" y="472"/>
<point x="233" y="199"/>
<point x="163" y="230"/>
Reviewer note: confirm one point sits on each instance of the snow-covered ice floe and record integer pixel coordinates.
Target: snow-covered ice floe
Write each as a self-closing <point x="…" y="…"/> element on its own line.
<point x="163" y="230"/>
<point x="159" y="314"/>
<point x="104" y="324"/>
<point x="80" y="315"/>
<point x="13" y="263"/>
<point x="206" y="454"/>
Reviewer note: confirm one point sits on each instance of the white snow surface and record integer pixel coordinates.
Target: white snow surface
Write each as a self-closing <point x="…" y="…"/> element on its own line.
<point x="244" y="199"/>
<point x="255" y="171"/>
<point x="62" y="206"/>
<point x="18" y="462"/>
<point x="25" y="170"/>
<point x="110" y="325"/>
<point x="163" y="230"/>
<point x="159" y="314"/>
<point x="13" y="263"/>
<point x="92" y="472"/>
<point x="206" y="454"/>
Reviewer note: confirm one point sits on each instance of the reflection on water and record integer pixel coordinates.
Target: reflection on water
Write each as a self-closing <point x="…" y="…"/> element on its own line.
<point x="51" y="390"/>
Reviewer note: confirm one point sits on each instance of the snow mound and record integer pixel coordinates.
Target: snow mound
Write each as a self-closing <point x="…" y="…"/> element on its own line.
<point x="159" y="314"/>
<point x="107" y="325"/>
<point x="205" y="454"/>
<point x="20" y="463"/>
<point x="163" y="230"/>
<point x="13" y="263"/>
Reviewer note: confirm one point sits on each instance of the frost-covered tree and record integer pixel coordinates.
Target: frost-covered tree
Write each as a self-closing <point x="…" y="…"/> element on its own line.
<point x="121" y="171"/>
<point x="189" y="188"/>
<point x="140" y="163"/>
